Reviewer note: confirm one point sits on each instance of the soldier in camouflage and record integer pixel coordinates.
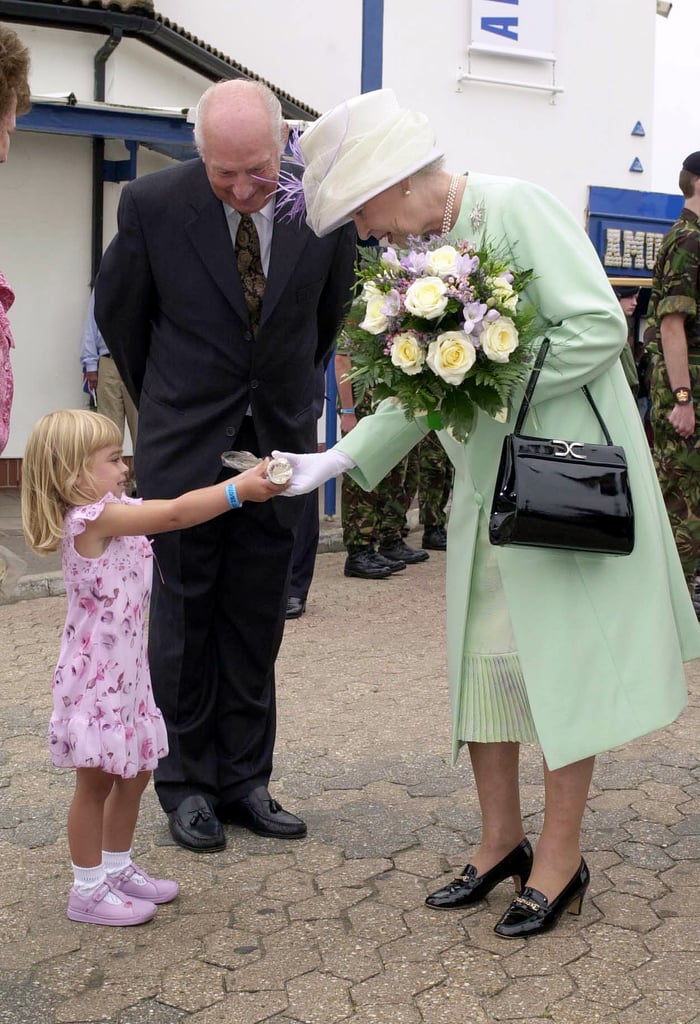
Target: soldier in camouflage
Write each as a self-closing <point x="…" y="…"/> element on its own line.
<point x="673" y="336"/>
<point x="429" y="474"/>
<point x="377" y="517"/>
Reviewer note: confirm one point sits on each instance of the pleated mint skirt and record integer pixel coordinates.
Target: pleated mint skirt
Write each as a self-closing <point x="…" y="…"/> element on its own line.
<point x="493" y="705"/>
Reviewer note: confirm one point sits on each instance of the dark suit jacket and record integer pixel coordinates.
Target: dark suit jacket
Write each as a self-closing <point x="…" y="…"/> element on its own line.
<point x="169" y="302"/>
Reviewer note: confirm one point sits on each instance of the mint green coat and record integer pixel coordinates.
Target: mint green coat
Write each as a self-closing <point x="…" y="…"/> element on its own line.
<point x="601" y="639"/>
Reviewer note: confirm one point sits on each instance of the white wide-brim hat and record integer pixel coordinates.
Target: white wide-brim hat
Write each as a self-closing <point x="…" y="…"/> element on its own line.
<point x="357" y="150"/>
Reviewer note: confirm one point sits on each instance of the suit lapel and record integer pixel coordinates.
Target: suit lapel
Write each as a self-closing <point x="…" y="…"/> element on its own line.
<point x="288" y="241"/>
<point x="208" y="231"/>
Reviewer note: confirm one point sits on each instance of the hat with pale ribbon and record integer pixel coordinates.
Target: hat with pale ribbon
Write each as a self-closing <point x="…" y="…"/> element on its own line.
<point x="358" y="149"/>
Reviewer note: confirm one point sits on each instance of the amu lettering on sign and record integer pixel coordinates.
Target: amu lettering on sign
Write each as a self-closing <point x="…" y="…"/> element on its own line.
<point x="633" y="250"/>
<point x="502" y="26"/>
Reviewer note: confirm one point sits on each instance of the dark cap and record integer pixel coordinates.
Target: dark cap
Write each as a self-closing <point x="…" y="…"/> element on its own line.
<point x="692" y="163"/>
<point x="625" y="291"/>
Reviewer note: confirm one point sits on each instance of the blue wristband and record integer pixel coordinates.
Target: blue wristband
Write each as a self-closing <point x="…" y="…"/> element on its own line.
<point x="232" y="496"/>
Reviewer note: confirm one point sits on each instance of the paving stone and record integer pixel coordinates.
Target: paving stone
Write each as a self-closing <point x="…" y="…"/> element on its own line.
<point x="475" y="971"/>
<point x="664" y="1007"/>
<point x="355" y="872"/>
<point x="398" y="983"/>
<point x="24" y="1001"/>
<point x="421" y="862"/>
<point x="242" y="1008"/>
<point x="329" y="904"/>
<point x="675" y="935"/>
<point x="602" y="982"/>
<point x="425" y="945"/>
<point x="625" y="911"/>
<point x="352" y="958"/>
<point x="150" y="1011"/>
<point x="445" y="841"/>
<point x="636" y="881"/>
<point x="528" y="997"/>
<point x="450" y="1004"/>
<point x="382" y="1013"/>
<point x="578" y="1009"/>
<point x="397" y="889"/>
<point x="375" y="921"/>
<point x="286" y="955"/>
<point x="319" y="998"/>
<point x="103" y="1004"/>
<point x="231" y="948"/>
<point x="644" y="856"/>
<point x="679" y="972"/>
<point x="289" y="887"/>
<point x="546" y="956"/>
<point x="260" y="915"/>
<point x="193" y="985"/>
<point x="616" y="945"/>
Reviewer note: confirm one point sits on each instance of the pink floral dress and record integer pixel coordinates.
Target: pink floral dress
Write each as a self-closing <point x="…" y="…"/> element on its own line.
<point x="7" y="297"/>
<point x="104" y="715"/>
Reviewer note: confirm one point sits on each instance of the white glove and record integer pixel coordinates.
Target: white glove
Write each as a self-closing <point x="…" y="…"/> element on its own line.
<point x="312" y="470"/>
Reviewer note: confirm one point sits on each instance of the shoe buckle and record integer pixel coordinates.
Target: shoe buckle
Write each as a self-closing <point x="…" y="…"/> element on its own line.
<point x="523" y="901"/>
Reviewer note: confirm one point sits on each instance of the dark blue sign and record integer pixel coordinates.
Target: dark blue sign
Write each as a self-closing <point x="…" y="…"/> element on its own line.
<point x="627" y="227"/>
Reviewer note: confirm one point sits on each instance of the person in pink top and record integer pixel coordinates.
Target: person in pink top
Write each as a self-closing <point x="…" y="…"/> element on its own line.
<point x="105" y="723"/>
<point x="14" y="99"/>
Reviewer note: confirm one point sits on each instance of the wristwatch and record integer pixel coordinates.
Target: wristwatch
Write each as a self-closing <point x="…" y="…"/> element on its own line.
<point x="683" y="396"/>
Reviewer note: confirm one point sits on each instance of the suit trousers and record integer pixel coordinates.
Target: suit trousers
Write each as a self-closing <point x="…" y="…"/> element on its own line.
<point x="305" y="548"/>
<point x="216" y="625"/>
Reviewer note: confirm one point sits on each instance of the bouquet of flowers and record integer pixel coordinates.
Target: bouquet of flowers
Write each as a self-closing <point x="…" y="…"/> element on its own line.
<point x="440" y="328"/>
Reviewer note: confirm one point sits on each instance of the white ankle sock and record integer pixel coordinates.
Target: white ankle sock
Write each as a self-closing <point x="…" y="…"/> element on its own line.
<point x="113" y="863"/>
<point x="86" y="881"/>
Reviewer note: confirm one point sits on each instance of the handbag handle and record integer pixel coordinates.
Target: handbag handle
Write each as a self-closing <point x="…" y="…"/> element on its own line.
<point x="527" y="397"/>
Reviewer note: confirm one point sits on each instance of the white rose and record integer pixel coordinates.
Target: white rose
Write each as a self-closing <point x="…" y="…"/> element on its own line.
<point x="443" y="261"/>
<point x="375" y="321"/>
<point x="503" y="291"/>
<point x="407" y="353"/>
<point x="451" y="356"/>
<point x="426" y="297"/>
<point x="498" y="339"/>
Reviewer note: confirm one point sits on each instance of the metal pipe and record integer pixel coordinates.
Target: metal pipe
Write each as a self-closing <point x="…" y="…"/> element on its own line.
<point x="98" y="154"/>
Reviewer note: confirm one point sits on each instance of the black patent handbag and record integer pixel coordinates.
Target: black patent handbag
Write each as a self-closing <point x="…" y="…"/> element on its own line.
<point x="562" y="494"/>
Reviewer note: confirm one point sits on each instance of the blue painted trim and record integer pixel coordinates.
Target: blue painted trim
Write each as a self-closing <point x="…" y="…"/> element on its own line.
<point x="329" y="488"/>
<point x="107" y="123"/>
<point x="372" y="45"/>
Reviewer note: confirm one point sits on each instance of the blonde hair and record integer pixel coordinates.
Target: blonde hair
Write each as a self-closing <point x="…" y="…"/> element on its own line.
<point x="58" y="451"/>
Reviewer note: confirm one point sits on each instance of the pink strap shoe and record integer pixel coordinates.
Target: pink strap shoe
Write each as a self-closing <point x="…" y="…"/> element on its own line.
<point x="95" y="909"/>
<point x="157" y="890"/>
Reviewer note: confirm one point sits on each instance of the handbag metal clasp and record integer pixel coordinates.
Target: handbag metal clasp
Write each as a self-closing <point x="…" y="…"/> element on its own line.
<point x="567" y="448"/>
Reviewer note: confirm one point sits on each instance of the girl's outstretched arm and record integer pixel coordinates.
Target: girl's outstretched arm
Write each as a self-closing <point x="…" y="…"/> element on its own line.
<point x="162" y="515"/>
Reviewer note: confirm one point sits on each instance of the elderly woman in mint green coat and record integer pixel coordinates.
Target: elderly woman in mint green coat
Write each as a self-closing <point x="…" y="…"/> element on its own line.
<point x="542" y="644"/>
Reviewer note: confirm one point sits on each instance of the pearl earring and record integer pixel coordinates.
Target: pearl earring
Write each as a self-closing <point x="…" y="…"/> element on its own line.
<point x="407" y="191"/>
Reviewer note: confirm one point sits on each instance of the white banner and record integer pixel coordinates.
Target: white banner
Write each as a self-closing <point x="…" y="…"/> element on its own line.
<point x="518" y="28"/>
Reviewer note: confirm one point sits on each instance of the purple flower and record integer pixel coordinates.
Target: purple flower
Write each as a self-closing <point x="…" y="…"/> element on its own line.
<point x="473" y="315"/>
<point x="392" y="304"/>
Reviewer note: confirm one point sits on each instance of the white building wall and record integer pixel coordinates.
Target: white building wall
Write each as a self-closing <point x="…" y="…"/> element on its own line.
<point x="312" y="50"/>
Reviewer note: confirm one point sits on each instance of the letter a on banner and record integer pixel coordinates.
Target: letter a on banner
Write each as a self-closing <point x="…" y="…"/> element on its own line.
<point x="518" y="28"/>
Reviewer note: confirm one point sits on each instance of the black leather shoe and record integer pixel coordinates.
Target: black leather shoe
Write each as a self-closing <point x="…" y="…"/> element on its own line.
<point x="399" y="551"/>
<point x="435" y="538"/>
<point x="470" y="888"/>
<point x="296" y="606"/>
<point x="261" y="814"/>
<point x="531" y="912"/>
<point x="363" y="563"/>
<point x="195" y="826"/>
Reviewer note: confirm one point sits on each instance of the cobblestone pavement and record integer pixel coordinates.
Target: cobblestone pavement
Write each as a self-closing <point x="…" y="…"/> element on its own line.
<point x="333" y="928"/>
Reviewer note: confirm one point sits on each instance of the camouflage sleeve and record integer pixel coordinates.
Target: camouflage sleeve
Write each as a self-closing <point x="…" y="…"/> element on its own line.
<point x="680" y="276"/>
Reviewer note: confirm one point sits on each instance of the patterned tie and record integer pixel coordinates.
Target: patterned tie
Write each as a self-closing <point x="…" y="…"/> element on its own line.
<point x="250" y="267"/>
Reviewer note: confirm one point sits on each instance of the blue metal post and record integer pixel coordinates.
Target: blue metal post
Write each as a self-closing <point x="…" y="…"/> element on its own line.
<point x="371" y="78"/>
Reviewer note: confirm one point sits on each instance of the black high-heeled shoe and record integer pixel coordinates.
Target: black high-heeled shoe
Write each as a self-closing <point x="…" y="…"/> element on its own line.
<point x="469" y="887"/>
<point x="531" y="913"/>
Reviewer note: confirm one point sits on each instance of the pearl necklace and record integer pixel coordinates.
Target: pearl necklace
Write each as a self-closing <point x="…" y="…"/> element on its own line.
<point x="449" y="204"/>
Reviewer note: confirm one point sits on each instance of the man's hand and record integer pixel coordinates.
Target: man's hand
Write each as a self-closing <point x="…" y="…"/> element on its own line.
<point x="682" y="419"/>
<point x="312" y="470"/>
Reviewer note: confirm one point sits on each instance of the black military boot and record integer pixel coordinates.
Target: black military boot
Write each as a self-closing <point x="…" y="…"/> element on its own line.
<point x="364" y="563"/>
<point x="399" y="551"/>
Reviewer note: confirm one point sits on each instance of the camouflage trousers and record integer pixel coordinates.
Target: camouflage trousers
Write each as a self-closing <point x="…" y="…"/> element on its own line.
<point x="677" y="462"/>
<point x="378" y="516"/>
<point x="429" y="475"/>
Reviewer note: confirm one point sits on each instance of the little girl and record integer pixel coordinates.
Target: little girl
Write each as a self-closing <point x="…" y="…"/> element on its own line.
<point x="105" y="723"/>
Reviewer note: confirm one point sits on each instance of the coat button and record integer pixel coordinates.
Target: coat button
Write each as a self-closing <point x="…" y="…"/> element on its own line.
<point x="253" y="385"/>
<point x="230" y="431"/>
<point x="248" y="335"/>
<point x="478" y="498"/>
